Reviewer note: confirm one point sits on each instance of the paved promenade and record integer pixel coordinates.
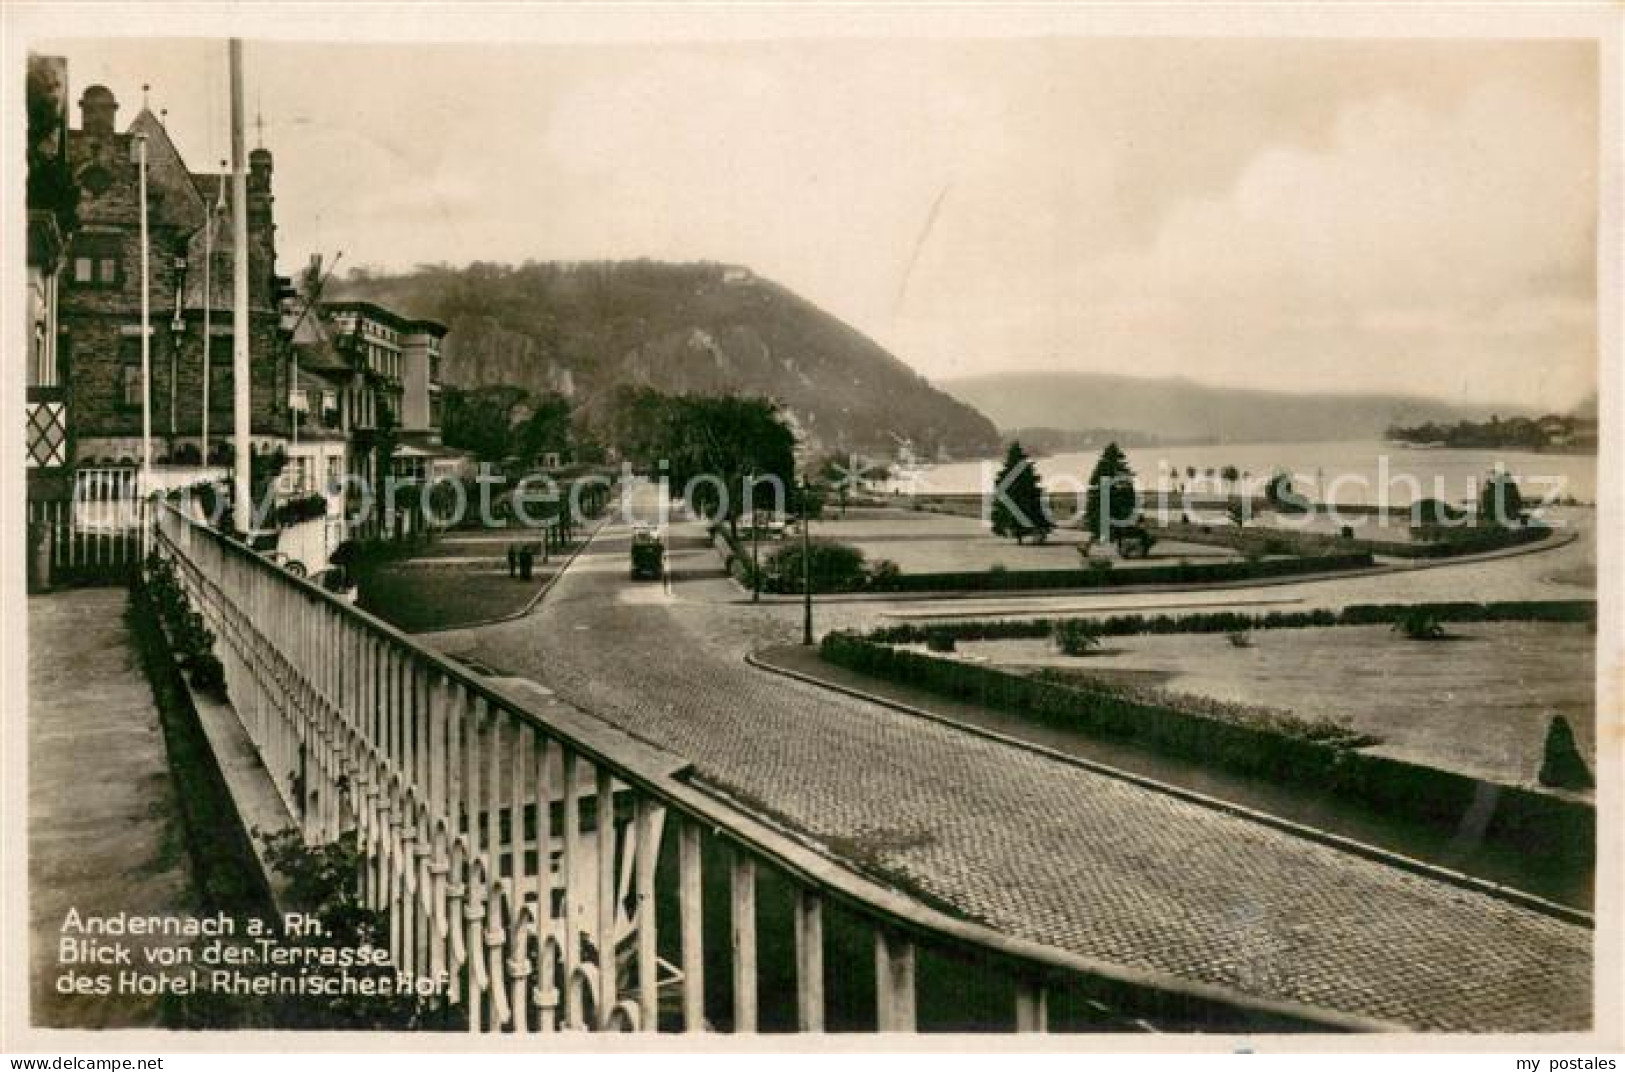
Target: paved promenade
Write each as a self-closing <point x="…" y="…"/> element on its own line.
<point x="104" y="831"/>
<point x="1020" y="841"/>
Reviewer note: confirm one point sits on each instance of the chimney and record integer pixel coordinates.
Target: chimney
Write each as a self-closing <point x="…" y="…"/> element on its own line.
<point x="97" y="109"/>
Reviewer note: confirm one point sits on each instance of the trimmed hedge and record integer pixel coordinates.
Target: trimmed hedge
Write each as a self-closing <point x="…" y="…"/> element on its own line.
<point x="1439" y="541"/>
<point x="1180" y="573"/>
<point x="1528" y="820"/>
<point x="1582" y="611"/>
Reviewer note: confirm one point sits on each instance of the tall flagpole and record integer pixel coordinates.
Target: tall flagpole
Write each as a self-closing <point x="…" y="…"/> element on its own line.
<point x="208" y="305"/>
<point x="146" y="325"/>
<point x="242" y="509"/>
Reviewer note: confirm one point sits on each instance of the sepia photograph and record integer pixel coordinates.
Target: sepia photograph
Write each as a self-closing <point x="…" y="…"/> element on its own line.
<point x="1042" y="523"/>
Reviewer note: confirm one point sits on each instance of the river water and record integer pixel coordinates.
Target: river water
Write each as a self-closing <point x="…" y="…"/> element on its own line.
<point x="1360" y="471"/>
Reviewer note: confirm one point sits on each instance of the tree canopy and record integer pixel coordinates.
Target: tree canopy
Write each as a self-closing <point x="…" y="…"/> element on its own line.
<point x="711" y="447"/>
<point x="1018" y="499"/>
<point x="1110" y="501"/>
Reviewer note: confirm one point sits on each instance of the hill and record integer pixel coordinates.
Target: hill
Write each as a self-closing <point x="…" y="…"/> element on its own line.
<point x="584" y="329"/>
<point x="1180" y="410"/>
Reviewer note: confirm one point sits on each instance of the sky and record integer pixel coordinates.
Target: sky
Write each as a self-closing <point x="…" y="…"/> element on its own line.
<point x="1316" y="215"/>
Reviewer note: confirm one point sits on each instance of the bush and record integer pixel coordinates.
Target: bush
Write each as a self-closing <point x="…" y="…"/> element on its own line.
<point x="209" y="675"/>
<point x="1077" y="636"/>
<point x="304" y="508"/>
<point x="1420" y="624"/>
<point x="939" y="640"/>
<point x="831" y="566"/>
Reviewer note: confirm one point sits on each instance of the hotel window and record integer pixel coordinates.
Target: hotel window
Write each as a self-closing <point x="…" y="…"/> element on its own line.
<point x="130" y="392"/>
<point x="97" y="261"/>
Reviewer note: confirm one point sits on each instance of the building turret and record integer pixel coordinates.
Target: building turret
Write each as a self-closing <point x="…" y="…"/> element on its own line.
<point x="98" y="109"/>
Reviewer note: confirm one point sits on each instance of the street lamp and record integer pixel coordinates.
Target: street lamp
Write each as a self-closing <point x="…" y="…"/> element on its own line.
<point x="806" y="564"/>
<point x="755" y="545"/>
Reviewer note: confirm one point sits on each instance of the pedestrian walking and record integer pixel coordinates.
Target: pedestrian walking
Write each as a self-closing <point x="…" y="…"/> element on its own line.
<point x="527" y="557"/>
<point x="513" y="560"/>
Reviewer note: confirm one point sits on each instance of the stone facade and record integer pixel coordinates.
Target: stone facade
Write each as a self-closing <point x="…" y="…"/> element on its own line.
<point x="100" y="302"/>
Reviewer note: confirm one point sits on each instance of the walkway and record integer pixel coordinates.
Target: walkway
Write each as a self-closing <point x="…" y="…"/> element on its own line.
<point x="1037" y="848"/>
<point x="104" y="832"/>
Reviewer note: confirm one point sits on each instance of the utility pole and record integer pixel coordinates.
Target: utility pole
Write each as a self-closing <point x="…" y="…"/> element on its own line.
<point x="242" y="509"/>
<point x="806" y="566"/>
<point x="146" y="324"/>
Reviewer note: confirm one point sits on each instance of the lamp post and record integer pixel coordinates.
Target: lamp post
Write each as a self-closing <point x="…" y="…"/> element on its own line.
<point x="755" y="545"/>
<point x="806" y="565"/>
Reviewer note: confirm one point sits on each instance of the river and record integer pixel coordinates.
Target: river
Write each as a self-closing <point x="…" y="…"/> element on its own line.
<point x="1360" y="471"/>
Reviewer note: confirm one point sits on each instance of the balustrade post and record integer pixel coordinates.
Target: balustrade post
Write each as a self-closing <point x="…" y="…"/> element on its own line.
<point x="547" y="983"/>
<point x="894" y="981"/>
<point x="650" y="821"/>
<point x="1032" y="1006"/>
<point x="809" y="960"/>
<point x="572" y="865"/>
<point x="742" y="915"/>
<point x="604" y="934"/>
<point x="691" y="912"/>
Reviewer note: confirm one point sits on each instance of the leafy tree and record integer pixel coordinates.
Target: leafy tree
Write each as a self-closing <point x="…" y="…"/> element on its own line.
<point x="479" y="420"/>
<point x="717" y="446"/>
<point x="637" y="424"/>
<point x="1018" y="499"/>
<point x="1110" y="502"/>
<point x="1280" y="493"/>
<point x="547" y="429"/>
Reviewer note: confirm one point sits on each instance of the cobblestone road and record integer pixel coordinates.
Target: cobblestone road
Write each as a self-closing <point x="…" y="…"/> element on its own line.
<point x="1029" y="845"/>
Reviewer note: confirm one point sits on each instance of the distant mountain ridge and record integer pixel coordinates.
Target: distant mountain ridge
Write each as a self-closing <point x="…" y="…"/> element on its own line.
<point x="1180" y="410"/>
<point x="584" y="329"/>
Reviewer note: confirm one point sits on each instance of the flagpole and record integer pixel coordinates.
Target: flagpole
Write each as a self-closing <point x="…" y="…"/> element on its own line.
<point x="242" y="509"/>
<point x="208" y="306"/>
<point x="146" y="324"/>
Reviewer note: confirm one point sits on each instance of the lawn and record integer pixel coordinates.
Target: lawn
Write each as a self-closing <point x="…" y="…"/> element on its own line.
<point x="414" y="595"/>
<point x="1478" y="703"/>
<point x="935" y="543"/>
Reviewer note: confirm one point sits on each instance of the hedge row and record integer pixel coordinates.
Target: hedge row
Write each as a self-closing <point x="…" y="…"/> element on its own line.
<point x="1528" y="820"/>
<point x="1436" y="541"/>
<point x="1573" y="610"/>
<point x="1179" y="573"/>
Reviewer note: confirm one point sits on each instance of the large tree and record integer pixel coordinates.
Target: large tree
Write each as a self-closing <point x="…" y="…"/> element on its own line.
<point x="717" y="446"/>
<point x="1110" y="503"/>
<point x="1018" y="499"/>
<point x="479" y="419"/>
<point x="546" y="430"/>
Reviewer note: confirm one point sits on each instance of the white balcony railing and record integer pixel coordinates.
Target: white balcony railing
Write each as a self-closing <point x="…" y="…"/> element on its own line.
<point x="541" y="860"/>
